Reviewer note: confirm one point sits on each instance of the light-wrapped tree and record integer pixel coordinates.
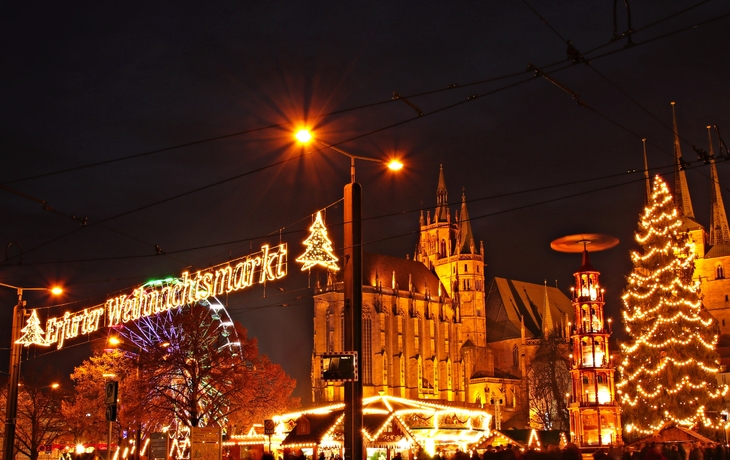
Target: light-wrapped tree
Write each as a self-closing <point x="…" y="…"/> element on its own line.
<point x="668" y="368"/>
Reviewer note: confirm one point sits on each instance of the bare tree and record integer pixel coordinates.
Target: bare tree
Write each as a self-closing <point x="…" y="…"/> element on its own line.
<point x="39" y="421"/>
<point x="199" y="378"/>
<point x="548" y="381"/>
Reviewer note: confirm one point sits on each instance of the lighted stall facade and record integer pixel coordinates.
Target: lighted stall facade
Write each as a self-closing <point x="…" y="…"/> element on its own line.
<point x="391" y="425"/>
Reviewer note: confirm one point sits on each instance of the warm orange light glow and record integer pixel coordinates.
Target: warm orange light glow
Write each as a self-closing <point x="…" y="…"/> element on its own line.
<point x="55" y="385"/>
<point x="114" y="340"/>
<point x="395" y="165"/>
<point x="303" y="136"/>
<point x="56" y="290"/>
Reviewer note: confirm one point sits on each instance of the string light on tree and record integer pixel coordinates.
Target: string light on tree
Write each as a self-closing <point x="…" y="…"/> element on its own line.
<point x="668" y="370"/>
<point x="319" y="247"/>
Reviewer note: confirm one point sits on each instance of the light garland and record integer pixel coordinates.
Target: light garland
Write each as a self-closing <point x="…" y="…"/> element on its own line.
<point x="668" y="372"/>
<point x="319" y="248"/>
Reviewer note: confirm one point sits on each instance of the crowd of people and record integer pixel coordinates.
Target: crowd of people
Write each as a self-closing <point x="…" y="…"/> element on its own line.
<point x="647" y="451"/>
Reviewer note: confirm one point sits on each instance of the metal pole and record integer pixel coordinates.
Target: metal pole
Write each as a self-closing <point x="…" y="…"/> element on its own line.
<point x="14" y="373"/>
<point x="353" y="314"/>
<point x="109" y="442"/>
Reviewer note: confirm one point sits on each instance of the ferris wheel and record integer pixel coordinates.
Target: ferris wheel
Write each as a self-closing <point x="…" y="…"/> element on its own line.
<point x="164" y="328"/>
<point x="207" y="320"/>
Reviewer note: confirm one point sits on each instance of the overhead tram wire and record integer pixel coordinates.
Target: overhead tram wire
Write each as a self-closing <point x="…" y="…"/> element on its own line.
<point x="483" y="216"/>
<point x="189" y="192"/>
<point x="448" y="87"/>
<point x="577" y="57"/>
<point x="292" y="232"/>
<point x="81" y="220"/>
<point x="279" y="230"/>
<point x="519" y="208"/>
<point x="470" y="98"/>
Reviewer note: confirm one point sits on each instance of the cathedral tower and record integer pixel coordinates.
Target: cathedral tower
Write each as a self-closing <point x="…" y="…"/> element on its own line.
<point x="682" y="200"/>
<point x="710" y="266"/>
<point x="448" y="249"/>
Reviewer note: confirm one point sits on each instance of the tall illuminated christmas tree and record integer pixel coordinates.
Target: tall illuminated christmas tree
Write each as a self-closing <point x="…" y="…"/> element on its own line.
<point x="668" y="369"/>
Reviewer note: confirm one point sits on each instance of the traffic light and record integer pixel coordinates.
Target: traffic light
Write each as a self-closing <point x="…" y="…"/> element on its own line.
<point x="111" y="413"/>
<point x="339" y="367"/>
<point x="112" y="389"/>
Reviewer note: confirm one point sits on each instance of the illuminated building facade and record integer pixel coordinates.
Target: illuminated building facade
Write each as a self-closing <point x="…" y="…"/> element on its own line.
<point x="434" y="329"/>
<point x="711" y="247"/>
<point x="595" y="414"/>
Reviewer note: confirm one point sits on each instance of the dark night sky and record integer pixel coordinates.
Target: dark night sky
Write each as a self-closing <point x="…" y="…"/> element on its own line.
<point x="87" y="83"/>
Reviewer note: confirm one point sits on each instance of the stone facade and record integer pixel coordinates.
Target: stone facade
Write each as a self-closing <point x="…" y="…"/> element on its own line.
<point x="433" y="328"/>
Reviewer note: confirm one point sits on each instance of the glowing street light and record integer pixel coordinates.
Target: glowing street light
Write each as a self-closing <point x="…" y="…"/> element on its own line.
<point x="304" y="136"/>
<point x="14" y="371"/>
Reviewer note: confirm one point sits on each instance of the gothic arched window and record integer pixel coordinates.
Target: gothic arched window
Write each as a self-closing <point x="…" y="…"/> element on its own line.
<point x="719" y="272"/>
<point x="515" y="356"/>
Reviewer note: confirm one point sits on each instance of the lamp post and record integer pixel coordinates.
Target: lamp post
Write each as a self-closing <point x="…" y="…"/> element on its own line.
<point x="16" y="349"/>
<point x="352" y="274"/>
<point x="133" y="352"/>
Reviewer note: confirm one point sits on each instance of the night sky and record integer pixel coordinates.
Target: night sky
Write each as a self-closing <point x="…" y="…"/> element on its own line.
<point x="166" y="86"/>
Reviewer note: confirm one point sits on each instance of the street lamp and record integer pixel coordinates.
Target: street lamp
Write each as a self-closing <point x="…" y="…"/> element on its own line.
<point x="352" y="274"/>
<point x="14" y="367"/>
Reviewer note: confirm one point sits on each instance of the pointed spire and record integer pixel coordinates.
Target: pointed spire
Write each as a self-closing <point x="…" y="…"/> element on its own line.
<point x="719" y="230"/>
<point x="681" y="190"/>
<point x="586" y="263"/>
<point x="466" y="237"/>
<point x="442" y="199"/>
<point x="646" y="175"/>
<point x="547" y="317"/>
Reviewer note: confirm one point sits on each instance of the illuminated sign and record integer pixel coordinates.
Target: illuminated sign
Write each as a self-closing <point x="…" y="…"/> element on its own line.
<point x="266" y="265"/>
<point x="269" y="264"/>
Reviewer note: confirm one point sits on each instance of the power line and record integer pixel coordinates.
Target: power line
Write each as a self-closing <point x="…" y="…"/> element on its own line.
<point x="447" y="107"/>
<point x="294" y="232"/>
<point x="448" y="87"/>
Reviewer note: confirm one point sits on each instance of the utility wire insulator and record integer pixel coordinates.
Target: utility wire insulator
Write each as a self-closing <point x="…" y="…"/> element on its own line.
<point x="540" y="73"/>
<point x="411" y="104"/>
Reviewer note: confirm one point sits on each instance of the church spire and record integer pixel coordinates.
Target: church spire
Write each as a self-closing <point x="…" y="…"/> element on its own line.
<point x="646" y="175"/>
<point x="442" y="199"/>
<point x="466" y="237"/>
<point x="547" y="318"/>
<point x="681" y="190"/>
<point x="719" y="231"/>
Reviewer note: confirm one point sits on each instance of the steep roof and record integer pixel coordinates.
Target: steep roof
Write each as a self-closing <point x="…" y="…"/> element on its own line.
<point x="718" y="250"/>
<point x="442" y="199"/>
<point x="466" y="237"/>
<point x="527" y="437"/>
<point x="379" y="269"/>
<point x="719" y="231"/>
<point x="319" y="425"/>
<point x="681" y="190"/>
<point x="508" y="301"/>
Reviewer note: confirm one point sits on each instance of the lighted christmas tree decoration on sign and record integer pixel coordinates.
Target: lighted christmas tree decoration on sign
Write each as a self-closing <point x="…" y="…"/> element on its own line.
<point x="32" y="332"/>
<point x="68" y="326"/>
<point x="319" y="248"/>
